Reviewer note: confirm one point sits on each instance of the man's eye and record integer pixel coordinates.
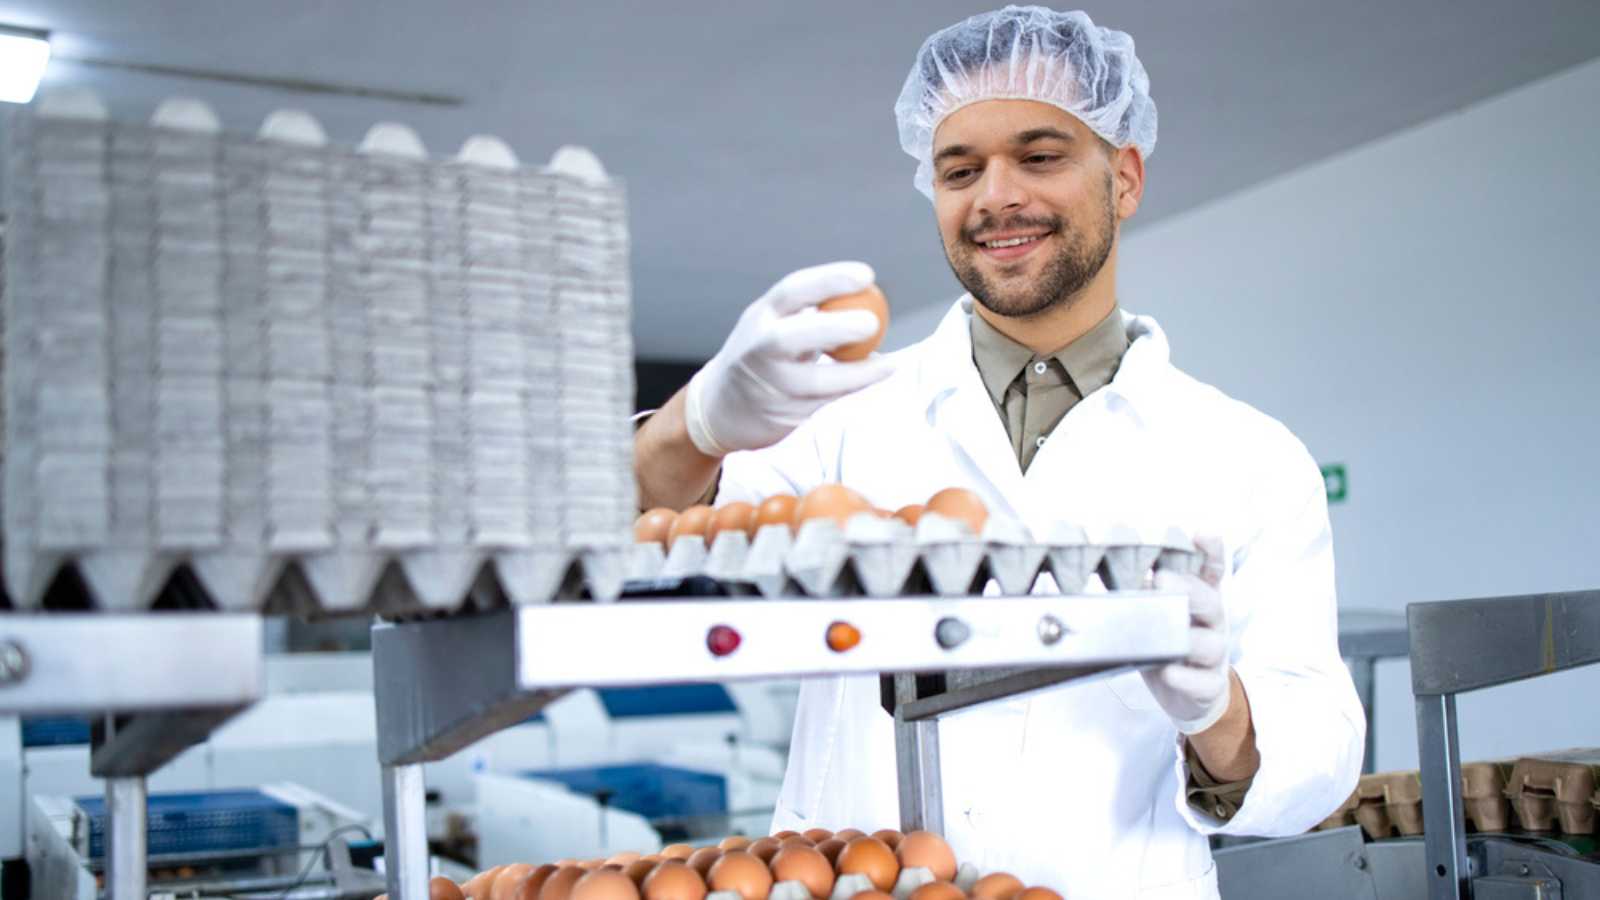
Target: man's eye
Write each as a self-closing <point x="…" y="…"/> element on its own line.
<point x="1041" y="158"/>
<point x="958" y="174"/>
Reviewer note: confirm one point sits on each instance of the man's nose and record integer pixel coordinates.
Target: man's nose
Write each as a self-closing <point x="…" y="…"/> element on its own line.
<point x="1000" y="191"/>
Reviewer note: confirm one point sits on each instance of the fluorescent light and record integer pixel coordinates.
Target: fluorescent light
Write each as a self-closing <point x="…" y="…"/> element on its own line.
<point x="23" y="55"/>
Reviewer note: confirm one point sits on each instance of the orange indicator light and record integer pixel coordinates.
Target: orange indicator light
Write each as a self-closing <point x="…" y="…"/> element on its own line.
<point x="843" y="636"/>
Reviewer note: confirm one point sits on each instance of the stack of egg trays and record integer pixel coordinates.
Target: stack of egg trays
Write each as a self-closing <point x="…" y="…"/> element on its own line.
<point x="255" y="355"/>
<point x="879" y="557"/>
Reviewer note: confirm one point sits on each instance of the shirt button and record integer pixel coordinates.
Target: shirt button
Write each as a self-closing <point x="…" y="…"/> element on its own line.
<point x="1040" y="368"/>
<point x="1038" y="441"/>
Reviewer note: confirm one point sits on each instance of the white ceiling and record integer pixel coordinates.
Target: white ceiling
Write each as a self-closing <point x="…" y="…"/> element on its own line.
<point x="757" y="137"/>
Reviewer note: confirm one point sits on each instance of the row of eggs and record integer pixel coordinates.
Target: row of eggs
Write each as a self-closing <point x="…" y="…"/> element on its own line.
<point x="828" y="501"/>
<point x="809" y="864"/>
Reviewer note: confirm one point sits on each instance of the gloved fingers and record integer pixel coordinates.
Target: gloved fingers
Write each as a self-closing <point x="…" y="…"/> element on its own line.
<point x="808" y="287"/>
<point x="1208" y="647"/>
<point x="1205" y="603"/>
<point x="1200" y="686"/>
<point x="1211" y="571"/>
<point x="805" y="335"/>
<point x="826" y="381"/>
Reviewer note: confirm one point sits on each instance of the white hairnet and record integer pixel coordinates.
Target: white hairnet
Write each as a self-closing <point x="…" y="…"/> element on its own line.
<point x="1027" y="53"/>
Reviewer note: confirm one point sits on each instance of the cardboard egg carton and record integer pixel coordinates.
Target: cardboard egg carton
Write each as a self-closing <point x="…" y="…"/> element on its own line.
<point x="272" y="360"/>
<point x="882" y="557"/>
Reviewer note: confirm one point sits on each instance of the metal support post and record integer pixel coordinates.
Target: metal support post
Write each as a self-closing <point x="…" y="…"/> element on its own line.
<point x="916" y="745"/>
<point x="1363" y="675"/>
<point x="1446" y="831"/>
<point x="405" y="832"/>
<point x="126" y="866"/>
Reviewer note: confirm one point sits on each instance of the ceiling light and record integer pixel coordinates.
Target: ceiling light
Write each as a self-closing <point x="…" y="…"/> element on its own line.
<point x="23" y="55"/>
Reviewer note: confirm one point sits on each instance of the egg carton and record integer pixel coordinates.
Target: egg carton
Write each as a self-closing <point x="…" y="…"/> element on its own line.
<point x="252" y="355"/>
<point x="879" y="557"/>
<point x="848" y="886"/>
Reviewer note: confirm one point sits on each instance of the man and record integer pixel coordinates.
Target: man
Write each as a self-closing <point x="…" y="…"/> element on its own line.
<point x="1031" y="128"/>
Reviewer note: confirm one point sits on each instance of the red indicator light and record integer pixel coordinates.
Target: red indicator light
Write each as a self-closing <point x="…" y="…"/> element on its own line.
<point x="722" y="640"/>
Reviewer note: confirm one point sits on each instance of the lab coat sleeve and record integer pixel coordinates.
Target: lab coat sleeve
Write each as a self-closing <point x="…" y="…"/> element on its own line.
<point x="1309" y="726"/>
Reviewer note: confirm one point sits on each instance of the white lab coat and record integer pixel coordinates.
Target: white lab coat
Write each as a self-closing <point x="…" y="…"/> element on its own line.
<point x="1080" y="788"/>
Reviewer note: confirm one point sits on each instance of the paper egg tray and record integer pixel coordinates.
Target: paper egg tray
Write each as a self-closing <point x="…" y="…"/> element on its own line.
<point x="251" y="355"/>
<point x="878" y="557"/>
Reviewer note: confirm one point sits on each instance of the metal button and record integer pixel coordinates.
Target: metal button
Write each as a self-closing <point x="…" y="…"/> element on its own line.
<point x="1039" y="441"/>
<point x="1222" y="811"/>
<point x="1051" y="630"/>
<point x="1039" y="368"/>
<point x="13" y="662"/>
<point x="951" y="632"/>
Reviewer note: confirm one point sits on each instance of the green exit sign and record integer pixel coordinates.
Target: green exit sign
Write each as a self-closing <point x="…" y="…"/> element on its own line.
<point x="1336" y="481"/>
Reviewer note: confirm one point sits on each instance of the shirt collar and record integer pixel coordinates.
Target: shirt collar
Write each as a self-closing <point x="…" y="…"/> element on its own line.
<point x="1089" y="361"/>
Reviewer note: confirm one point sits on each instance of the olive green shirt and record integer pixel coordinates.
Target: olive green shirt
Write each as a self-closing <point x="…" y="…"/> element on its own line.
<point x="1032" y="394"/>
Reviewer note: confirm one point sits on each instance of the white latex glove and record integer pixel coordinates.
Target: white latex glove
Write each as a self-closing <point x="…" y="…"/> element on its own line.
<point x="1194" y="691"/>
<point x="766" y="378"/>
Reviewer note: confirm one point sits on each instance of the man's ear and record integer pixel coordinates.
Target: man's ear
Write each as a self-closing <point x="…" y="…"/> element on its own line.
<point x="1127" y="168"/>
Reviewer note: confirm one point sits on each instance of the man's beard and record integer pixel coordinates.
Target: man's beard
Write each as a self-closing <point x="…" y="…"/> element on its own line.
<point x="1079" y="260"/>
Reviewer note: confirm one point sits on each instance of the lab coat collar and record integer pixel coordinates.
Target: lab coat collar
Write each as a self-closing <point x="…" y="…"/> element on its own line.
<point x="1142" y="381"/>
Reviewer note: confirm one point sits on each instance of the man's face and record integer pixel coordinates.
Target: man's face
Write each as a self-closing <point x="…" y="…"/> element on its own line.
<point x="1005" y="170"/>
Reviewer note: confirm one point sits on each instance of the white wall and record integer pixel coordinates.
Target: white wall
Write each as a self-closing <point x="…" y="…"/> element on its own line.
<point x="1426" y="310"/>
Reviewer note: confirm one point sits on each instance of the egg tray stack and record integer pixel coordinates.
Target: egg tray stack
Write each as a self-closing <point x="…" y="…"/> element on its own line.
<point x="322" y="380"/>
<point x="884" y="557"/>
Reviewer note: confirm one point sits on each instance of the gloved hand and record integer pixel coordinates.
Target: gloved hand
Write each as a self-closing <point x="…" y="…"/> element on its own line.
<point x="766" y="379"/>
<point x="1194" y="691"/>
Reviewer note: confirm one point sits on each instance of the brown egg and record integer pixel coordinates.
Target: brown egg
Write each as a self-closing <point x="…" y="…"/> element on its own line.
<point x="565" y="862"/>
<point x="702" y="860"/>
<point x="1038" y="893"/>
<point x="909" y="514"/>
<point x="924" y="849"/>
<point x="505" y="882"/>
<point x="605" y="884"/>
<point x="734" y="842"/>
<point x="777" y="510"/>
<point x="442" y="888"/>
<point x="735" y="516"/>
<point x="962" y="505"/>
<point x="807" y="866"/>
<point x="590" y="864"/>
<point x="693" y="520"/>
<point x="786" y="834"/>
<point x="871" y="895"/>
<point x="558" y="886"/>
<point x="477" y="887"/>
<point x="870" y="857"/>
<point x="839" y="503"/>
<point x="831" y="848"/>
<point x="817" y="834"/>
<point x="871" y="300"/>
<point x="672" y="880"/>
<point x="937" y="890"/>
<point x="640" y="868"/>
<point x="676" y="851"/>
<point x="996" y="886"/>
<point x="528" y="887"/>
<point x="888" y="836"/>
<point x="764" y="849"/>
<point x="849" y="834"/>
<point x="622" y="859"/>
<point x="798" y="840"/>
<point x="741" y="872"/>
<point x="653" y="526"/>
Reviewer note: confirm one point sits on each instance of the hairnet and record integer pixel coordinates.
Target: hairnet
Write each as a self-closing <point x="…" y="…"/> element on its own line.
<point x="1027" y="53"/>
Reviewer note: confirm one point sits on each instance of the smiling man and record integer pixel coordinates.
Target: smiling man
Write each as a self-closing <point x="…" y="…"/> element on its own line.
<point x="1030" y="128"/>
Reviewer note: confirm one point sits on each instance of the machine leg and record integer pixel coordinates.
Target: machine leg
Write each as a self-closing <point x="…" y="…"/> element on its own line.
<point x="126" y="868"/>
<point x="917" y="746"/>
<point x="405" y="832"/>
<point x="1363" y="674"/>
<point x="1443" y="820"/>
